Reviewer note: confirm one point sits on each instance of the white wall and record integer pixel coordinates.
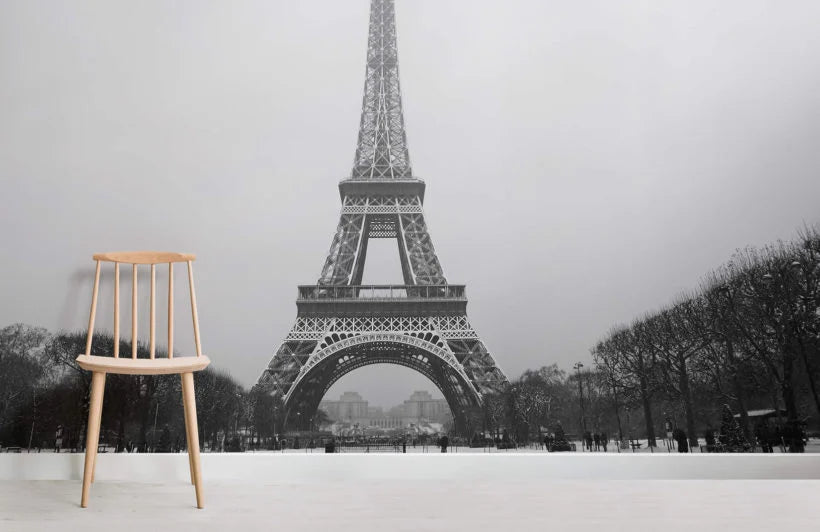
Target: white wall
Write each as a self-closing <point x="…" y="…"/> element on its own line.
<point x="295" y="468"/>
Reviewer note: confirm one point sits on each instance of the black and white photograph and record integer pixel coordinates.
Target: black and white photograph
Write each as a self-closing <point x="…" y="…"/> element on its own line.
<point x="222" y="303"/>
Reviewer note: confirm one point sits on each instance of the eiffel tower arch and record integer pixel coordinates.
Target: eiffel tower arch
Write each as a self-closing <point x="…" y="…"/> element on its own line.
<point x="342" y="325"/>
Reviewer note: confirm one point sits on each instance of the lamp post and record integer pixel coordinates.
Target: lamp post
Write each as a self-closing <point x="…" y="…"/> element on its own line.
<point x="34" y="416"/>
<point x="143" y="397"/>
<point x="577" y="367"/>
<point x="154" y="432"/>
<point x="275" y="426"/>
<point x="240" y="409"/>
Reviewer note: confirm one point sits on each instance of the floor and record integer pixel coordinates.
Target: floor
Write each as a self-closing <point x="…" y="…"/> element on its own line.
<point x="606" y="505"/>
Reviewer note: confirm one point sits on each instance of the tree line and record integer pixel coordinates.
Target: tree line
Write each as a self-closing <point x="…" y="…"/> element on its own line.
<point x="749" y="337"/>
<point x="44" y="399"/>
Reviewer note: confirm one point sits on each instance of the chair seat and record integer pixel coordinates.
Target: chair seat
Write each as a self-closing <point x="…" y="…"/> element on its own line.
<point x="143" y="366"/>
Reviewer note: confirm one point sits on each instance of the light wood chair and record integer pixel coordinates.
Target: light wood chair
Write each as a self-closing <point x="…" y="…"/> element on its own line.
<point x="101" y="365"/>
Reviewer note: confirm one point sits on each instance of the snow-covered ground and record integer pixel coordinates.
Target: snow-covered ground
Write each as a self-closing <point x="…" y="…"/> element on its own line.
<point x="812" y="447"/>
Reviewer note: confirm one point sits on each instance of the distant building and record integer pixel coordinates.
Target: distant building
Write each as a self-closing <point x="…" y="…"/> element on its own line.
<point x="351" y="410"/>
<point x="350" y="407"/>
<point x="422" y="406"/>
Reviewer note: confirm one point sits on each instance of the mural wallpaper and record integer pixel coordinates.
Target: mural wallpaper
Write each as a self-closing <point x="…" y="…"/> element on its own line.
<point x="732" y="365"/>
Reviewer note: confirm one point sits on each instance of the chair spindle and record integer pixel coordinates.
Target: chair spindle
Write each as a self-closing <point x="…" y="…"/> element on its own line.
<point x="93" y="313"/>
<point x="170" y="310"/>
<point x="153" y="324"/>
<point x="134" y="294"/>
<point x="116" y="310"/>
<point x="194" y="315"/>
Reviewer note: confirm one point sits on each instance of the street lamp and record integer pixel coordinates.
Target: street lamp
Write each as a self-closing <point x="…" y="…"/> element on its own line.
<point x="144" y="395"/>
<point x="236" y="415"/>
<point x="577" y="367"/>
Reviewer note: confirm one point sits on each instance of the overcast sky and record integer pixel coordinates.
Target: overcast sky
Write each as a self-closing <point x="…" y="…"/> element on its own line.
<point x="585" y="161"/>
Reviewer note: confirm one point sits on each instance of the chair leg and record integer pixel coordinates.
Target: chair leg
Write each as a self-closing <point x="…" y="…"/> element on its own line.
<point x="93" y="432"/>
<point x="193" y="434"/>
<point x="187" y="433"/>
<point x="94" y="460"/>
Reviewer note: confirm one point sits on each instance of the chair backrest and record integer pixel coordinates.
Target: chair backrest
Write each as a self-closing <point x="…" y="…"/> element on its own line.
<point x="136" y="258"/>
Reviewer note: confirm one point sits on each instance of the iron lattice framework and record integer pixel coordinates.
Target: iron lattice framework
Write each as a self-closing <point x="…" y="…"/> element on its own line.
<point x="381" y="152"/>
<point x="342" y="325"/>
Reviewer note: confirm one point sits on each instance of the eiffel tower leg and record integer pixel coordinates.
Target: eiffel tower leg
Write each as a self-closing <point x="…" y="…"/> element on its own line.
<point x="346" y="254"/>
<point x="292" y="354"/>
<point x="471" y="354"/>
<point x="418" y="250"/>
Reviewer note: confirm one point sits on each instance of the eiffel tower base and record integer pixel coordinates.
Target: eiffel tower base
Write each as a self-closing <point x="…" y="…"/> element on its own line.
<point x="318" y="351"/>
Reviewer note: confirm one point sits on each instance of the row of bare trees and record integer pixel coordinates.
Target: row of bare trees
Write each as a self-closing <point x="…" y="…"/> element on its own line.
<point x="44" y="399"/>
<point x="748" y="337"/>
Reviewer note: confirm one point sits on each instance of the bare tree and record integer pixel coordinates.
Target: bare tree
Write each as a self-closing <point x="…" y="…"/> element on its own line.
<point x="636" y="367"/>
<point x="672" y="339"/>
<point x="22" y="367"/>
<point x="617" y="391"/>
<point x="494" y="409"/>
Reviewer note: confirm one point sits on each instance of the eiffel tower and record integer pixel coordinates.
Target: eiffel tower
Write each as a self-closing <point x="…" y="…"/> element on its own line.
<point x="342" y="325"/>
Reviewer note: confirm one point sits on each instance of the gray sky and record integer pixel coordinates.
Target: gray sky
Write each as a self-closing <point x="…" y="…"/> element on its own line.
<point x="585" y="161"/>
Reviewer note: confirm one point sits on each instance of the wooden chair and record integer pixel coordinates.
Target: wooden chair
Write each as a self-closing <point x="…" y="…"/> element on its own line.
<point x="101" y="365"/>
